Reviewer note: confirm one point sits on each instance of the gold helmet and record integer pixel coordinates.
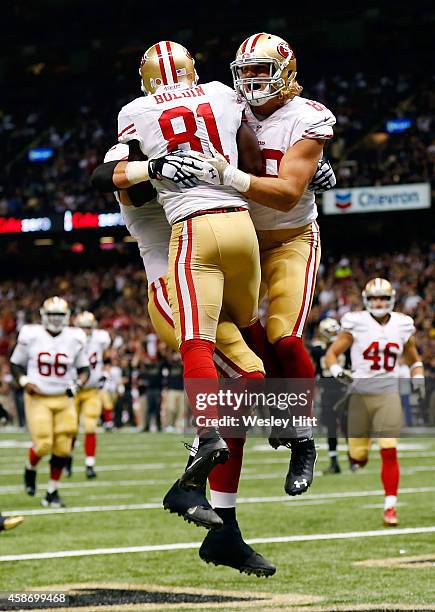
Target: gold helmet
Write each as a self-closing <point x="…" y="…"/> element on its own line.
<point x="86" y="321"/>
<point x="270" y="50"/>
<point x="328" y="329"/>
<point x="380" y="288"/>
<point x="55" y="314"/>
<point x="166" y="63"/>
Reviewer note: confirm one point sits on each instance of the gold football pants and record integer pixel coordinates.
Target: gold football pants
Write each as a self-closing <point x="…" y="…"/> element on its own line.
<point x="213" y="264"/>
<point x="232" y="356"/>
<point x="373" y="416"/>
<point x="88" y="402"/>
<point x="289" y="262"/>
<point x="52" y="422"/>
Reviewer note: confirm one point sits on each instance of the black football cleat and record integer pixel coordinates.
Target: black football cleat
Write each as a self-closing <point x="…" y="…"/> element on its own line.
<point x="30" y="481"/>
<point x="90" y="472"/>
<point x="211" y="451"/>
<point x="226" y="546"/>
<point x="68" y="466"/>
<point x="192" y="505"/>
<point x="52" y="500"/>
<point x="10" y="522"/>
<point x="333" y="468"/>
<point x="301" y="469"/>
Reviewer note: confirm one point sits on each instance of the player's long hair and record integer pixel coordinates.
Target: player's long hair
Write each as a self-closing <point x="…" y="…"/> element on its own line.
<point x="288" y="93"/>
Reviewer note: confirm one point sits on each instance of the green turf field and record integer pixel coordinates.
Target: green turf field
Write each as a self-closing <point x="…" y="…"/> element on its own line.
<point x="136" y="469"/>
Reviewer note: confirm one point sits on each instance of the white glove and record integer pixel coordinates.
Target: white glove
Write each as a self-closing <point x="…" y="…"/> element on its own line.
<point x="324" y="179"/>
<point x="73" y="388"/>
<point x="216" y="170"/>
<point x="344" y="377"/>
<point x="175" y="166"/>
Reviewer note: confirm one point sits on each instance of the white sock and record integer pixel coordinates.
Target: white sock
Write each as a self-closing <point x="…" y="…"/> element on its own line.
<point x="219" y="499"/>
<point x="390" y="501"/>
<point x="30" y="467"/>
<point x="333" y="453"/>
<point x="90" y="461"/>
<point x="52" y="486"/>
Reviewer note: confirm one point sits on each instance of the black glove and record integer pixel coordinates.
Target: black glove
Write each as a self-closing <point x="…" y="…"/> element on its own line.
<point x="102" y="381"/>
<point x="324" y="179"/>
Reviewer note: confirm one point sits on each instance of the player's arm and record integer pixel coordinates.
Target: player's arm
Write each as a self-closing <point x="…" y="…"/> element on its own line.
<point x="341" y="344"/>
<point x="20" y="376"/>
<point x="250" y="159"/>
<point x="412" y="358"/>
<point x="296" y="170"/>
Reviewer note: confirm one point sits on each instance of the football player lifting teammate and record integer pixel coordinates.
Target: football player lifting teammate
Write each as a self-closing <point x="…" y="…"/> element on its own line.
<point x="292" y="132"/>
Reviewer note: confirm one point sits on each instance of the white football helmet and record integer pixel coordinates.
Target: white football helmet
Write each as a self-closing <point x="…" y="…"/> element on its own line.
<point x="274" y="53"/>
<point x="328" y="329"/>
<point x="380" y="288"/>
<point x="86" y="321"/>
<point x="55" y="314"/>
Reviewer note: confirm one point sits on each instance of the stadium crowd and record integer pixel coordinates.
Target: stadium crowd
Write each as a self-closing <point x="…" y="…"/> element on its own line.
<point x="142" y="366"/>
<point x="363" y="153"/>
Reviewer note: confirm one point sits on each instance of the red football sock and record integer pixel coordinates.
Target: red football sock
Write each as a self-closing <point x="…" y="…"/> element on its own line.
<point x="225" y="477"/>
<point x="55" y="472"/>
<point x="90" y="444"/>
<point x="107" y="415"/>
<point x="33" y="457"/>
<point x="390" y="470"/>
<point x="198" y="363"/>
<point x="256" y="338"/>
<point x="294" y="358"/>
<point x="296" y="363"/>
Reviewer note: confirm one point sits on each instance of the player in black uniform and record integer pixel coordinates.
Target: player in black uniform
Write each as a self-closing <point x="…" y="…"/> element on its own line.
<point x="331" y="391"/>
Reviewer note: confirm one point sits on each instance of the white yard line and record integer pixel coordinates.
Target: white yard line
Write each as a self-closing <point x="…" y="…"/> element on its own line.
<point x="188" y="545"/>
<point x="308" y="500"/>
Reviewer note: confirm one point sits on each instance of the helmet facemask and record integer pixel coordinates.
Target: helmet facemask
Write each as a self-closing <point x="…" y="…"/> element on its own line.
<point x="379" y="312"/>
<point x="259" y="89"/>
<point x="55" y="314"/>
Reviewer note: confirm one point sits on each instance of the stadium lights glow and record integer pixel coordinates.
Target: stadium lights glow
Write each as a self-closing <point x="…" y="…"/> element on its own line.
<point x="44" y="242"/>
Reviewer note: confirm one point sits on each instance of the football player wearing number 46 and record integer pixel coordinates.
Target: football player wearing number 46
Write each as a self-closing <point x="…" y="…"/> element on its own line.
<point x="51" y="364"/>
<point x="376" y="336"/>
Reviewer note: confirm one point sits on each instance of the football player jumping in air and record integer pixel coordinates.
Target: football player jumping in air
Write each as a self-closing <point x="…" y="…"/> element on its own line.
<point x="376" y="337"/>
<point x="292" y="132"/>
<point x="88" y="401"/>
<point x="232" y="356"/>
<point x="50" y="363"/>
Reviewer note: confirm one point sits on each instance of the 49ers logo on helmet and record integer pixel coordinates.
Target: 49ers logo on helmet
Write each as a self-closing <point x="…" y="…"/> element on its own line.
<point x="284" y="50"/>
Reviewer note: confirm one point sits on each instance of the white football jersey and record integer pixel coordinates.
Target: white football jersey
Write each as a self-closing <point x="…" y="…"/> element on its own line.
<point x="375" y="349"/>
<point x="51" y="361"/>
<point x="147" y="224"/>
<point x="297" y="120"/>
<point x="96" y="344"/>
<point x="181" y="118"/>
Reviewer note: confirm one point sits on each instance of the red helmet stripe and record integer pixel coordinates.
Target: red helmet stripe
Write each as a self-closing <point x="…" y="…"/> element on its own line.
<point x="162" y="64"/>
<point x="243" y="49"/>
<point x="171" y="61"/>
<point x="254" y="42"/>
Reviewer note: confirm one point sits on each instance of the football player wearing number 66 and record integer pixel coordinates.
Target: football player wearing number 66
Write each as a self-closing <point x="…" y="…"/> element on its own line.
<point x="51" y="364"/>
<point x="376" y="336"/>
